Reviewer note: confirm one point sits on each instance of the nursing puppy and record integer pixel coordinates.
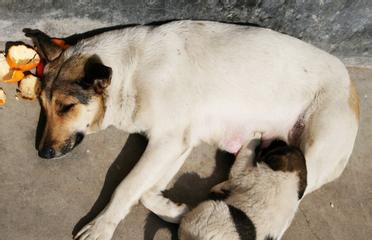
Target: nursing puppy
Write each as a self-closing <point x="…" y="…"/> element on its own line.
<point x="263" y="195"/>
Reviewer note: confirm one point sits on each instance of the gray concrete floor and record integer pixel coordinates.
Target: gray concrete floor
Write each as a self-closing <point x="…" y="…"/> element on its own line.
<point x="49" y="199"/>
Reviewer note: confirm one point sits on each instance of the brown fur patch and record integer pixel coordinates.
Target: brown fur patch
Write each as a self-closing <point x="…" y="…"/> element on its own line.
<point x="61" y="74"/>
<point x="354" y="100"/>
<point x="96" y="123"/>
<point x="307" y="139"/>
<point x="73" y="87"/>
<point x="295" y="134"/>
<point x="310" y="141"/>
<point x="59" y="132"/>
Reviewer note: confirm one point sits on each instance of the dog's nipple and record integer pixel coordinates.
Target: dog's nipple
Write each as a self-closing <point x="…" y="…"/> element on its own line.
<point x="233" y="145"/>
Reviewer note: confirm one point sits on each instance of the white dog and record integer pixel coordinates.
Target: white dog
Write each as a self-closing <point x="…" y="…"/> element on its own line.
<point x="187" y="82"/>
<point x="263" y="191"/>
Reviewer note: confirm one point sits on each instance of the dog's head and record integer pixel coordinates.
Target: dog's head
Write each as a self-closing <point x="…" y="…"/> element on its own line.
<point x="72" y="95"/>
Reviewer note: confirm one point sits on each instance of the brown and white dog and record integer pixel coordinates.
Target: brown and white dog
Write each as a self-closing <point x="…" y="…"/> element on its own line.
<point x="263" y="194"/>
<point x="187" y="82"/>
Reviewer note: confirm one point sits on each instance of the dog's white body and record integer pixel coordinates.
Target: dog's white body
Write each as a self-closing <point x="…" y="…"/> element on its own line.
<point x="189" y="81"/>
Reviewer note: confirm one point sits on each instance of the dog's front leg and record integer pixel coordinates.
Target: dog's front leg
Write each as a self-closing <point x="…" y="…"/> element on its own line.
<point x="159" y="155"/>
<point x="160" y="205"/>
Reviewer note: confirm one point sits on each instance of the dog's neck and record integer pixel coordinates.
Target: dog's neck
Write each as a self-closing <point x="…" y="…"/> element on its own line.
<point x="120" y="108"/>
<point x="121" y="96"/>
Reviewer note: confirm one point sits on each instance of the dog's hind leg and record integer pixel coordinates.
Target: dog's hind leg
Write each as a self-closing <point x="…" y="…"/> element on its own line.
<point x="163" y="207"/>
<point x="329" y="135"/>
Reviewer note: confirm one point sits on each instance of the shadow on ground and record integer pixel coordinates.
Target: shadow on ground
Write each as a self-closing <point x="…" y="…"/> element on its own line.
<point x="189" y="188"/>
<point x="119" y="169"/>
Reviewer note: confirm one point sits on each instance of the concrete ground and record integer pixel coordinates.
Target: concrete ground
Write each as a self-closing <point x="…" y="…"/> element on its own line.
<point x="49" y="199"/>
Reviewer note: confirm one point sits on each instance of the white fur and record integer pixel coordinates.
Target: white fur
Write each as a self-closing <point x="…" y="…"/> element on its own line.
<point x="189" y="81"/>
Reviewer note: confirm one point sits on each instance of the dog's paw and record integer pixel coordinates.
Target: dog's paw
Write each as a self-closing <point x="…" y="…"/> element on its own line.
<point x="98" y="229"/>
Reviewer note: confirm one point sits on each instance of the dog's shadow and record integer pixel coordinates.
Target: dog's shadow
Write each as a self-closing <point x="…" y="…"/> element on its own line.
<point x="119" y="169"/>
<point x="189" y="188"/>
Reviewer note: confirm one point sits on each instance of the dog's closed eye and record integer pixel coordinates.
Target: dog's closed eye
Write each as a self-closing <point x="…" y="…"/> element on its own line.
<point x="65" y="108"/>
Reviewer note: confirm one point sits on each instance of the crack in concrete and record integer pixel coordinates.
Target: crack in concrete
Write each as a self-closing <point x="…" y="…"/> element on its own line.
<point x="308" y="225"/>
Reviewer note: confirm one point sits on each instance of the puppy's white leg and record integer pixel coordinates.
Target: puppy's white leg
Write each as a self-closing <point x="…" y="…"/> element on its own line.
<point x="220" y="188"/>
<point x="245" y="156"/>
<point x="220" y="191"/>
<point x="155" y="201"/>
<point x="159" y="155"/>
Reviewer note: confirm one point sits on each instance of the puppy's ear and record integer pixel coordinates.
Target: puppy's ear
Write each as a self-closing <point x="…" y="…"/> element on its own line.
<point x="97" y="75"/>
<point x="45" y="46"/>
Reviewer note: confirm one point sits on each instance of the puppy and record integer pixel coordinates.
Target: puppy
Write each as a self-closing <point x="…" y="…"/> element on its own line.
<point x="263" y="195"/>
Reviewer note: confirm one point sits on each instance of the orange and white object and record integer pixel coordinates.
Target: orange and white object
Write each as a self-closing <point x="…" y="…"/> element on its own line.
<point x="2" y="97"/>
<point x="22" y="57"/>
<point x="4" y="67"/>
<point x="29" y="87"/>
<point x="7" y="74"/>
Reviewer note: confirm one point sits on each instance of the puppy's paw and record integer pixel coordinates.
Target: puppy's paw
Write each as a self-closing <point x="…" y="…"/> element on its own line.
<point x="165" y="208"/>
<point x="98" y="229"/>
<point x="257" y="135"/>
<point x="220" y="188"/>
<point x="176" y="212"/>
<point x="220" y="191"/>
<point x="255" y="141"/>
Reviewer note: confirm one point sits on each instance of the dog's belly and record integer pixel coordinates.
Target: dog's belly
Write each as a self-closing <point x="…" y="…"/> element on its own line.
<point x="232" y="144"/>
<point x="231" y="135"/>
<point x="234" y="141"/>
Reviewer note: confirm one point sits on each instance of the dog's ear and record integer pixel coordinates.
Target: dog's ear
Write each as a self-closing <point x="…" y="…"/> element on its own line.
<point x="45" y="46"/>
<point x="96" y="75"/>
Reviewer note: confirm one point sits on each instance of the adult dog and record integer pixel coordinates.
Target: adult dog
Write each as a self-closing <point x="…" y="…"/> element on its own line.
<point x="187" y="82"/>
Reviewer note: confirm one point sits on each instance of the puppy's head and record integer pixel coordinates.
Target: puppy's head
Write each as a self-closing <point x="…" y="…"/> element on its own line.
<point x="281" y="157"/>
<point x="72" y="95"/>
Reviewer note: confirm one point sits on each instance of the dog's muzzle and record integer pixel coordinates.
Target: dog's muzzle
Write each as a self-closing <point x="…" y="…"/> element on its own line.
<point x="49" y="152"/>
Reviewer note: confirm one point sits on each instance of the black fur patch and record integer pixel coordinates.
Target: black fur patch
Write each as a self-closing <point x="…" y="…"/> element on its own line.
<point x="218" y="196"/>
<point x="96" y="75"/>
<point x="243" y="224"/>
<point x="260" y="152"/>
<point x="73" y="39"/>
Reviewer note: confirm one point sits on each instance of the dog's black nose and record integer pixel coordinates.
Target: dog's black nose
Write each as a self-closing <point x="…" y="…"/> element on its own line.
<point x="47" y="152"/>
